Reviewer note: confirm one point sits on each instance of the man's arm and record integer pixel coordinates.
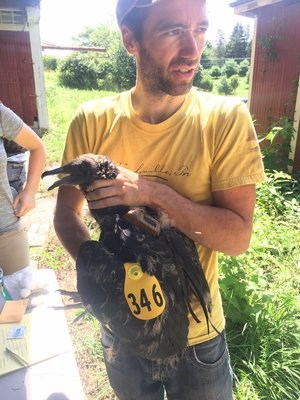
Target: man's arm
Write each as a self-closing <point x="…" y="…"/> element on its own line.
<point x="68" y="222"/>
<point x="226" y="226"/>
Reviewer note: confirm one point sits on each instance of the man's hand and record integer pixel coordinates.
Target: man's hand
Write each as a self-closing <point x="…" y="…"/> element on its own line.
<point x="128" y="189"/>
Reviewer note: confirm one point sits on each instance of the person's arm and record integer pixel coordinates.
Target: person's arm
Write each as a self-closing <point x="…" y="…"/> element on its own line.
<point x="27" y="138"/>
<point x="224" y="227"/>
<point x="68" y="222"/>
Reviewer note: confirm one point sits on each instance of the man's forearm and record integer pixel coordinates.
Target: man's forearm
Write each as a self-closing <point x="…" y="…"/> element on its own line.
<point x="218" y="228"/>
<point x="71" y="231"/>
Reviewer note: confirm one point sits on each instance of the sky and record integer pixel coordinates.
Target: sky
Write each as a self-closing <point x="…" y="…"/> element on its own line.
<point x="63" y="19"/>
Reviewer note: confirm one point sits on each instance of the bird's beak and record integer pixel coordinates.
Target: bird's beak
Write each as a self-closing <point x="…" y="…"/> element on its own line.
<point x="66" y="180"/>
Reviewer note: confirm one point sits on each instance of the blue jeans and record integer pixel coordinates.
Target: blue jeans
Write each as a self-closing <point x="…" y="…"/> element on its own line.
<point x="204" y="373"/>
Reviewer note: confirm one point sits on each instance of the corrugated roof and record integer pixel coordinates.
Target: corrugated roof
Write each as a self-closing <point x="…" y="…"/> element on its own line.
<point x="249" y="7"/>
<point x="239" y="2"/>
<point x="260" y="3"/>
<point x="19" y="3"/>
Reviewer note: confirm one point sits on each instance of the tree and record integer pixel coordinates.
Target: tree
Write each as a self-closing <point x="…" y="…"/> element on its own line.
<point x="100" y="36"/>
<point x="112" y="70"/>
<point x="238" y="44"/>
<point x="208" y="55"/>
<point x="220" y="49"/>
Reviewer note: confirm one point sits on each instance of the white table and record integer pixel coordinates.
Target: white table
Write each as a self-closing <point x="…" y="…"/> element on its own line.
<point x="56" y="378"/>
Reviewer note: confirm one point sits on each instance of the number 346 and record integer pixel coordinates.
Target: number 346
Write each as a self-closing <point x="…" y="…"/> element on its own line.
<point x="146" y="301"/>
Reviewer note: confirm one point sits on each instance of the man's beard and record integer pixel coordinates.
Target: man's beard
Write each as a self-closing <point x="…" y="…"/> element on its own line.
<point x="153" y="76"/>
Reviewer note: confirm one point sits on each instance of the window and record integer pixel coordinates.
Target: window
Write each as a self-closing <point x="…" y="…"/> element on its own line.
<point x="12" y="17"/>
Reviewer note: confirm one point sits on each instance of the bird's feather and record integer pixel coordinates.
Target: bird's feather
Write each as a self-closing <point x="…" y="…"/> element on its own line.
<point x="170" y="256"/>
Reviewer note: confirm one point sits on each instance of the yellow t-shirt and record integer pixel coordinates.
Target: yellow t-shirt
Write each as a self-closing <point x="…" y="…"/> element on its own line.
<point x="209" y="144"/>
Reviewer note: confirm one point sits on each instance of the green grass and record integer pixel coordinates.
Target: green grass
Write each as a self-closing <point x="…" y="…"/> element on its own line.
<point x="260" y="289"/>
<point x="62" y="104"/>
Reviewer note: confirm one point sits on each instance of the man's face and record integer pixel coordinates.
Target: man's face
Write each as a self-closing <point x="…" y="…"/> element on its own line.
<point x="169" y="53"/>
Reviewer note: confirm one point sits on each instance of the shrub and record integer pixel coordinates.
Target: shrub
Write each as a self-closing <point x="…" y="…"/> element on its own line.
<point x="206" y="84"/>
<point x="244" y="68"/>
<point x="248" y="77"/>
<point x="50" y="63"/>
<point x="215" y="71"/>
<point x="203" y="80"/>
<point x="124" y="70"/>
<point x="276" y="145"/>
<point x="106" y="79"/>
<point x="224" y="86"/>
<point x="280" y="195"/>
<point x="260" y="295"/>
<point x="230" y="68"/>
<point x="234" y="82"/>
<point x="198" y="77"/>
<point x="79" y="73"/>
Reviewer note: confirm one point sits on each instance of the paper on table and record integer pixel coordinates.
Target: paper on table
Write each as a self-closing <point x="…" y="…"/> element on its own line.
<point x="19" y="346"/>
<point x="41" y="340"/>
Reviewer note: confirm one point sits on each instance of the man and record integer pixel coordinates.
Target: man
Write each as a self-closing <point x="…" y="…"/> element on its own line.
<point x="191" y="154"/>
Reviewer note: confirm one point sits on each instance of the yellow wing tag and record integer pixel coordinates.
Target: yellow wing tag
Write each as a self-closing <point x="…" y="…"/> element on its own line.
<point x="143" y="293"/>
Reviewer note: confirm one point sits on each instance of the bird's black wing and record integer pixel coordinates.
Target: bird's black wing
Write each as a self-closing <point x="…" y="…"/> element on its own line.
<point x="100" y="282"/>
<point x="187" y="261"/>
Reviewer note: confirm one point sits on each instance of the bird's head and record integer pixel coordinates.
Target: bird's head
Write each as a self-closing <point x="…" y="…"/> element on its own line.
<point x="83" y="170"/>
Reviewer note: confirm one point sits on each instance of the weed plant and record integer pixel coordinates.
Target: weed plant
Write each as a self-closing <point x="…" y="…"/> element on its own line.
<point x="260" y="291"/>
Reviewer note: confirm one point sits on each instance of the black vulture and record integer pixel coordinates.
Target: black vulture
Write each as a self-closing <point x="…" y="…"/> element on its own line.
<point x="140" y="279"/>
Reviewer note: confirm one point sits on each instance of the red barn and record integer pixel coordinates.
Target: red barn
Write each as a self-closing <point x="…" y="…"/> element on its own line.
<point x="275" y="90"/>
<point x="22" y="86"/>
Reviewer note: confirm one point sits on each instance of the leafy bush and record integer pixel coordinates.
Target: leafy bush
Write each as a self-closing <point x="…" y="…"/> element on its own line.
<point x="230" y="68"/>
<point x="79" y="73"/>
<point x="280" y="195"/>
<point x="244" y="68"/>
<point x="106" y="79"/>
<point x="50" y="63"/>
<point x="224" y="86"/>
<point x="203" y="80"/>
<point x="117" y="73"/>
<point x="276" y="145"/>
<point x="215" y="71"/>
<point x="234" y="82"/>
<point x="248" y="77"/>
<point x="206" y="84"/>
<point x="125" y="70"/>
<point x="260" y="292"/>
<point x="199" y="76"/>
